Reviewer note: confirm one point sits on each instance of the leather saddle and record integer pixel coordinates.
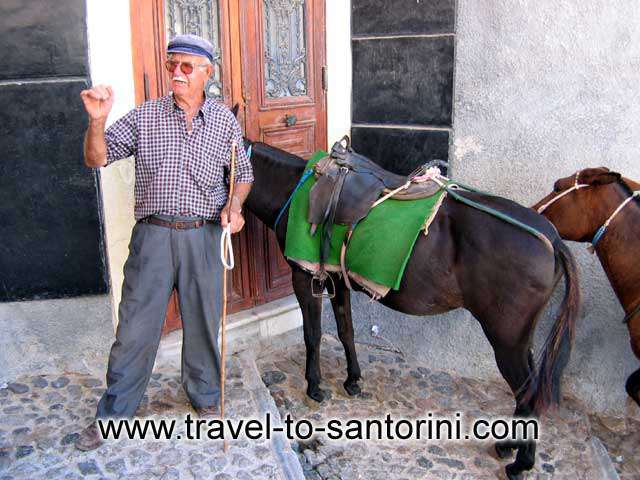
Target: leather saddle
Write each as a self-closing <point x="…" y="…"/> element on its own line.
<point x="347" y="186"/>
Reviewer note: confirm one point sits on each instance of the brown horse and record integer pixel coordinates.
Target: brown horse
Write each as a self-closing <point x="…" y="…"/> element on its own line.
<point x="579" y="206"/>
<point x="502" y="274"/>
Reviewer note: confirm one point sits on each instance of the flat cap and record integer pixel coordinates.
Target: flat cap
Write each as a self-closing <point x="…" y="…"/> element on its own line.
<point x="192" y="45"/>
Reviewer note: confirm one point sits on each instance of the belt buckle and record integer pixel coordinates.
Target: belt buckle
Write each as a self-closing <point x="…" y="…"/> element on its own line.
<point x="180" y="226"/>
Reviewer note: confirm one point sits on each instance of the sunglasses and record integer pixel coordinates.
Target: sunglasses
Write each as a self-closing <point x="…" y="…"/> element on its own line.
<point x="185" y="67"/>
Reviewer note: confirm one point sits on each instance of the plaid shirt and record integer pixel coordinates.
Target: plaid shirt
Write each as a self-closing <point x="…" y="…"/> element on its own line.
<point x="179" y="172"/>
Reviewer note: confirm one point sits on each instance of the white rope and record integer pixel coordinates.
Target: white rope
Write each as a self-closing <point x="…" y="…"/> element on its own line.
<point x="226" y="248"/>
<point x="620" y="207"/>
<point x="429" y="174"/>
<point x="576" y="186"/>
<point x="391" y="194"/>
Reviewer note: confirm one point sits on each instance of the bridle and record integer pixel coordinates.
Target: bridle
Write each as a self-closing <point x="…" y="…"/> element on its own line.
<point x="576" y="186"/>
<point x="603" y="228"/>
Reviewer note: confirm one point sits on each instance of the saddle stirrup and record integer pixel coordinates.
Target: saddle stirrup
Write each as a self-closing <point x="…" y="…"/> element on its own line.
<point x="320" y="282"/>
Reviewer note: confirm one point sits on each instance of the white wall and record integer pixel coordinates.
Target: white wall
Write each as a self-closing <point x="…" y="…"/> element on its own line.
<point x="338" y="29"/>
<point x="111" y="63"/>
<point x="558" y="93"/>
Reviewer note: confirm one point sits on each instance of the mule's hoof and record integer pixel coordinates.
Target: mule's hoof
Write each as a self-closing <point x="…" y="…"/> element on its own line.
<point x="514" y="472"/>
<point x="352" y="388"/>
<point x="316" y="394"/>
<point x="503" y="452"/>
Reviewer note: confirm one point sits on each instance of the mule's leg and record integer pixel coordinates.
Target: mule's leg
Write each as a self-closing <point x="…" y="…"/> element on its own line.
<point x="633" y="386"/>
<point x="504" y="448"/>
<point x="341" y="304"/>
<point x="311" y="323"/>
<point x="515" y="362"/>
<point x="633" y="382"/>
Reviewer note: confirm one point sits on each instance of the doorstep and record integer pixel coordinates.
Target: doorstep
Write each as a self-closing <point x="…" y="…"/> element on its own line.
<point x="251" y="328"/>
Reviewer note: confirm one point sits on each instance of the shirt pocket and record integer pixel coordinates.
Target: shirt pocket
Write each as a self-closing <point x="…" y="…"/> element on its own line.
<point x="153" y="151"/>
<point x="205" y="173"/>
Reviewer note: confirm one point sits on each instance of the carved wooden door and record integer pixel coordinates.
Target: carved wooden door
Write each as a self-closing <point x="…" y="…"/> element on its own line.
<point x="269" y="59"/>
<point x="283" y="65"/>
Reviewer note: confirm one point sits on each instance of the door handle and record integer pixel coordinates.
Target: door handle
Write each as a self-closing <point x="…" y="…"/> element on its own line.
<point x="290" y="120"/>
<point x="145" y="81"/>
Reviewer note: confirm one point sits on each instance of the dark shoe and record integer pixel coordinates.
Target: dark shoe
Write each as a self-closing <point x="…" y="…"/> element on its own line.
<point x="211" y="411"/>
<point x="89" y="438"/>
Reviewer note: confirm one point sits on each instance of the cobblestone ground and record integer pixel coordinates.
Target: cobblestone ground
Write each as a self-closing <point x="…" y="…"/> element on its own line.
<point x="621" y="437"/>
<point x="40" y="418"/>
<point x="392" y="385"/>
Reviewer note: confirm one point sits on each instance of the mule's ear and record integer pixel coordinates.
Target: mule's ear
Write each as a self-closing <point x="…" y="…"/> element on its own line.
<point x="603" y="178"/>
<point x="633" y="184"/>
<point x="235" y="110"/>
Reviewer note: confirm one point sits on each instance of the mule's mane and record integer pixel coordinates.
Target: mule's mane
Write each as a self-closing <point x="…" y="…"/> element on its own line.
<point x="277" y="156"/>
<point x="627" y="188"/>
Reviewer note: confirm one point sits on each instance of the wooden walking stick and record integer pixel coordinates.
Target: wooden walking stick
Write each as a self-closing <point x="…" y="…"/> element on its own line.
<point x="226" y="254"/>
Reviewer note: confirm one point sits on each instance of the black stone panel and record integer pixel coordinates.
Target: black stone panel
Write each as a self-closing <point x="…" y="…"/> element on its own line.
<point x="50" y="234"/>
<point x="400" y="150"/>
<point x="43" y="38"/>
<point x="403" y="81"/>
<point x="402" y="17"/>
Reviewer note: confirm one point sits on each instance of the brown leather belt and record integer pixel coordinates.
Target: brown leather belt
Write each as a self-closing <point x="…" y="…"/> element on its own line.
<point x="179" y="225"/>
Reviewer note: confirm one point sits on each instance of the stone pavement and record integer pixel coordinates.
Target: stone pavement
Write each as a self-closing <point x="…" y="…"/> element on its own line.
<point x="568" y="448"/>
<point x="621" y="436"/>
<point x="40" y="418"/>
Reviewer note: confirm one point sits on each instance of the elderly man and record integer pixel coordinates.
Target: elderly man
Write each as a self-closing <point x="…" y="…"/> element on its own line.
<point x="182" y="147"/>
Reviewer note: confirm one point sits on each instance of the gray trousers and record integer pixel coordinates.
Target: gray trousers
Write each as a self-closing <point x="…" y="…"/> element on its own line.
<point x="160" y="259"/>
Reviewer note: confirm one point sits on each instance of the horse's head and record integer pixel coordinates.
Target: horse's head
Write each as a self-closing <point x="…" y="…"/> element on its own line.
<point x="581" y="203"/>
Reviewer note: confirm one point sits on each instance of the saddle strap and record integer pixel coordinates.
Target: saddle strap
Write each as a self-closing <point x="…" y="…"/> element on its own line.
<point x="343" y="254"/>
<point x="329" y="217"/>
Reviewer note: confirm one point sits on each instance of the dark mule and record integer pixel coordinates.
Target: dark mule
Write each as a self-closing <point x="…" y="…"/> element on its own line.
<point x="504" y="276"/>
<point x="590" y="198"/>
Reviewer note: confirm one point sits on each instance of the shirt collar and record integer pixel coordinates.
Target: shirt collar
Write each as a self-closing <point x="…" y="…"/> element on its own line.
<point x="171" y="107"/>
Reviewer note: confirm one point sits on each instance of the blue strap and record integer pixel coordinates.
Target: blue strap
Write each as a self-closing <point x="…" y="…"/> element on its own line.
<point x="303" y="179"/>
<point x="598" y="235"/>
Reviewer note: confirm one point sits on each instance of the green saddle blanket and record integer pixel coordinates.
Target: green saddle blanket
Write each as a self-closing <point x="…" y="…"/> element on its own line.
<point x="381" y="244"/>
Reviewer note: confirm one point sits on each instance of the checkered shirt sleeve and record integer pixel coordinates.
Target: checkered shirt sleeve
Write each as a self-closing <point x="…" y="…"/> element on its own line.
<point x="121" y="138"/>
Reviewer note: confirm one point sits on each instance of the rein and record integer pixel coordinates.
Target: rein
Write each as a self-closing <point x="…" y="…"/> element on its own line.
<point x="450" y="187"/>
<point x="303" y="179"/>
<point x="633" y="313"/>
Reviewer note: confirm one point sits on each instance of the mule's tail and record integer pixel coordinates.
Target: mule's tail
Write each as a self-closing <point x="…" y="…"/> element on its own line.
<point x="543" y="389"/>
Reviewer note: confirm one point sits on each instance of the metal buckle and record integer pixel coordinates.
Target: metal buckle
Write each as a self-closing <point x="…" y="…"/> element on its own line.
<point x="180" y="226"/>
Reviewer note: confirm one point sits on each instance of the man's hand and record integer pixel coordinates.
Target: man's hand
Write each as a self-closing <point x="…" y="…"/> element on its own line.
<point x="98" y="102"/>
<point x="231" y="213"/>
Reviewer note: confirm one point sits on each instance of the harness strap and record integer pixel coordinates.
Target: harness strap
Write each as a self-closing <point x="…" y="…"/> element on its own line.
<point x="343" y="254"/>
<point x="601" y="231"/>
<point x="327" y="221"/>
